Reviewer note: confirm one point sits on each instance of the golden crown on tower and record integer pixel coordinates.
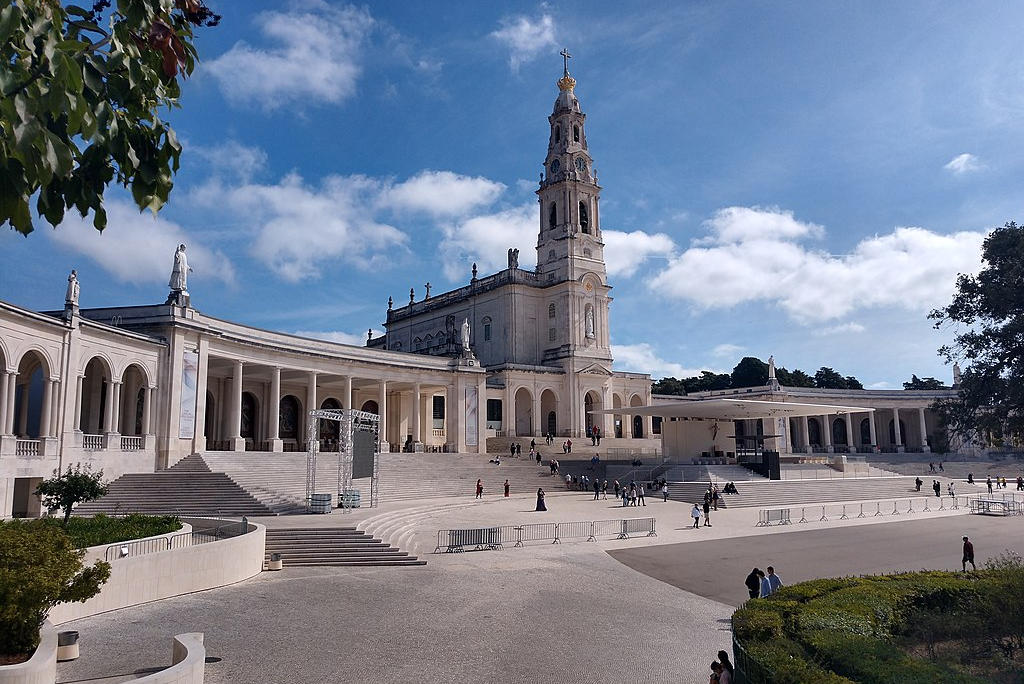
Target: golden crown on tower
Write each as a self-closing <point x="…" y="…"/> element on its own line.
<point x="567" y="82"/>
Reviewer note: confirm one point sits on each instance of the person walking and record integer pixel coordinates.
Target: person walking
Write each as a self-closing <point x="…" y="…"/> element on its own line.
<point x="774" y="581"/>
<point x="616" y="489"/>
<point x="951" y="491"/>
<point x="664" y="491"/>
<point x="533" y="445"/>
<point x="538" y="458"/>
<point x="640" y="495"/>
<point x="604" y="490"/>
<point x="988" y="481"/>
<point x="714" y="496"/>
<point x="568" y="446"/>
<point x="937" y="488"/>
<point x="632" y="494"/>
<point x="519" y="449"/>
<point x="625" y="497"/>
<point x="707" y="514"/>
<point x="568" y="481"/>
<point x="512" y="449"/>
<point x="753" y="581"/>
<point x="968" y="555"/>
<point x="506" y="489"/>
<point x="765" y="586"/>
<point x="597" y="433"/>
<point x="727" y="667"/>
<point x="479" y="489"/>
<point x="597" y="489"/>
<point x="1020" y="483"/>
<point x="917" y="484"/>
<point x="541" y="506"/>
<point x="695" y="514"/>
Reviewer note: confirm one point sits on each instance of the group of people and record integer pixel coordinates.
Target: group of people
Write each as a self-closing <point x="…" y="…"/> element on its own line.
<point x="936" y="487"/>
<point x="931" y="468"/>
<point x="761" y="585"/>
<point x="722" y="670"/>
<point x="595" y="436"/>
<point x="1000" y="483"/>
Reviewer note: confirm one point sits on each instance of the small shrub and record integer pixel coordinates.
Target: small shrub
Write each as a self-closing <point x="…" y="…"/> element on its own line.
<point x="65" y="491"/>
<point x="39" y="568"/>
<point x="100" y="529"/>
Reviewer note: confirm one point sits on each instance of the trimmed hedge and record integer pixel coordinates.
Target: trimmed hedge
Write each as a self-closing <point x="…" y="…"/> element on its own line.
<point x="857" y="629"/>
<point x="100" y="529"/>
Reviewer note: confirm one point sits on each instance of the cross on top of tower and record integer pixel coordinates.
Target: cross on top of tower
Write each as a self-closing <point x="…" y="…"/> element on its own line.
<point x="565" y="60"/>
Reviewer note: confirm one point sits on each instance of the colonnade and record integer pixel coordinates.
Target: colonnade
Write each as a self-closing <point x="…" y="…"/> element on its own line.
<point x="854" y="439"/>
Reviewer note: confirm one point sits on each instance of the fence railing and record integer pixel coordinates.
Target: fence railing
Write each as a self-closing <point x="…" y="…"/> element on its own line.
<point x="493" y="538"/>
<point x="92" y="442"/>
<point x="26" y="447"/>
<point x="141" y="547"/>
<point x="768" y="517"/>
<point x="130" y="443"/>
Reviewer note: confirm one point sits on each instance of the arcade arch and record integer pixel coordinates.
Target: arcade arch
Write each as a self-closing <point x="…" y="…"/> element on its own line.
<point x="549" y="411"/>
<point x="32" y="396"/>
<point x="524" y="412"/>
<point x="96" y="385"/>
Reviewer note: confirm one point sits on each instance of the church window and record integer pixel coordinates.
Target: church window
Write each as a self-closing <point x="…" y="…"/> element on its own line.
<point x="437" y="412"/>
<point x="551" y="255"/>
<point x="575" y="133"/>
<point x="558" y="134"/>
<point x="494" y="414"/>
<point x="487" y="328"/>
<point x="584" y="218"/>
<point x="417" y="344"/>
<point x="428" y="342"/>
<point x="553" y="216"/>
<point x="552" y="334"/>
<point x="551" y="310"/>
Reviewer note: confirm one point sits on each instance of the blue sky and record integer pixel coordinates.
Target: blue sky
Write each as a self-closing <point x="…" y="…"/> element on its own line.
<point x="797" y="179"/>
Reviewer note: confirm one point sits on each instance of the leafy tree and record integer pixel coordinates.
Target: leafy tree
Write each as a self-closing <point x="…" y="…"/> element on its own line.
<point x="75" y="486"/>
<point x="79" y="94"/>
<point x="668" y="386"/>
<point x="852" y="383"/>
<point x="749" y="372"/>
<point x="39" y="568"/>
<point x="828" y="378"/>
<point x="917" y="383"/>
<point x="708" y="382"/>
<point x="796" y="378"/>
<point x="987" y="316"/>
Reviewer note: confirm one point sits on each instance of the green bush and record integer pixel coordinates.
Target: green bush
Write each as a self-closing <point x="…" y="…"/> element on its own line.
<point x="65" y="490"/>
<point x="99" y="530"/>
<point x="39" y="568"/>
<point x="859" y="629"/>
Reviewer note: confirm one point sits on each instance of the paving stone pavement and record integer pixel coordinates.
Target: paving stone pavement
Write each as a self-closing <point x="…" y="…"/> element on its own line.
<point x="565" y="614"/>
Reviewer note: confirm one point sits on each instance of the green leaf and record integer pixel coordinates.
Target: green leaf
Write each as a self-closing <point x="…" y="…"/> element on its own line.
<point x="10" y="17"/>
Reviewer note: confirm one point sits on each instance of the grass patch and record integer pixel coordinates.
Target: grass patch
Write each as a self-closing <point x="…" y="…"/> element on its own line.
<point x="101" y="529"/>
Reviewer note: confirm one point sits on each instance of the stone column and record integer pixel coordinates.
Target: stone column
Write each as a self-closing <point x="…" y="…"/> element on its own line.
<point x="4" y="381"/>
<point x="508" y="411"/>
<point x="76" y="421"/>
<point x="23" y="413"/>
<point x="871" y="429"/>
<point x="382" y="407"/>
<point x="45" y="408"/>
<point x="896" y="430"/>
<point x="826" y="433"/>
<point x="147" y="412"/>
<point x="538" y="420"/>
<point x="347" y="398"/>
<point x="481" y="416"/>
<point x="415" y="422"/>
<point x="202" y="430"/>
<point x="274" y="412"/>
<point x="452" y="420"/>
<point x="8" y="418"/>
<point x="108" y="409"/>
<point x="237" y="441"/>
<point x="608" y="419"/>
<point x="924" y="431"/>
<point x="852" y="443"/>
<point x="311" y="405"/>
<point x="116" y="419"/>
<point x="55" y="410"/>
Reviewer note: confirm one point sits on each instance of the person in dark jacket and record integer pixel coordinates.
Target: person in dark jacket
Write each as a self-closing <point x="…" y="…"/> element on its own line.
<point x="753" y="583"/>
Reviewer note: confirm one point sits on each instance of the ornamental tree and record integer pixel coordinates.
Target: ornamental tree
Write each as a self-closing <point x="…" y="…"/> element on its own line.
<point x="987" y="317"/>
<point x="77" y="485"/>
<point x="80" y="92"/>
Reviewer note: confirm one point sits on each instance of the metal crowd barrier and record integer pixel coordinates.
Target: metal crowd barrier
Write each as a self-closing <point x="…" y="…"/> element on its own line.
<point x="493" y="538"/>
<point x="767" y="517"/>
<point x="140" y="547"/>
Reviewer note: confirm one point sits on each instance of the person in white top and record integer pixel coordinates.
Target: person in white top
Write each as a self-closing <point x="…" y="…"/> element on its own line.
<point x="774" y="581"/>
<point x="695" y="514"/>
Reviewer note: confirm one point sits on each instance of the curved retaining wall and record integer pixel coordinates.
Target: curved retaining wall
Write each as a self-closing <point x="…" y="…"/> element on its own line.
<point x="164" y="574"/>
<point x="188" y="662"/>
<point x="41" y="668"/>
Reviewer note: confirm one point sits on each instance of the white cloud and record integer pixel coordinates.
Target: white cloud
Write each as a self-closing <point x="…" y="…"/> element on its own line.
<point x="727" y="350"/>
<point x="138" y="247"/>
<point x="233" y="159"/>
<point x="442" y="193"/>
<point x="314" y="56"/>
<point x="841" y="329"/>
<point x="963" y="163"/>
<point x="486" y="239"/>
<point x="910" y="268"/>
<point x="525" y="38"/>
<point x="642" y="358"/>
<point x="624" y="252"/>
<point x="354" y="339"/>
<point x="299" y="227"/>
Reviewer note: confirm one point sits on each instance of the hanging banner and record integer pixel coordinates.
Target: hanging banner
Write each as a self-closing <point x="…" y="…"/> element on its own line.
<point x="472" y="407"/>
<point x="189" y="385"/>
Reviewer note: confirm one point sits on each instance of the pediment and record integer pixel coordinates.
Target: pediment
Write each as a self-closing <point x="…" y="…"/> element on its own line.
<point x="595" y="369"/>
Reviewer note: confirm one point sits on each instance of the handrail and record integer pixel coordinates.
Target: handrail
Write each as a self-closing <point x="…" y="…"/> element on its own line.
<point x="783" y="515"/>
<point x="494" y="538"/>
<point x="141" y="547"/>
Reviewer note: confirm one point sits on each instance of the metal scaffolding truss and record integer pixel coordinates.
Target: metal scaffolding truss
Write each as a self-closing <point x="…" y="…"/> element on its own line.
<point x="349" y="422"/>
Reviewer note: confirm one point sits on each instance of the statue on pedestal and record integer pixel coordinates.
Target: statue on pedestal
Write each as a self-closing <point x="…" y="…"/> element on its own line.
<point x="590" y="323"/>
<point x="179" y="278"/>
<point x="71" y="298"/>
<point x="465" y="336"/>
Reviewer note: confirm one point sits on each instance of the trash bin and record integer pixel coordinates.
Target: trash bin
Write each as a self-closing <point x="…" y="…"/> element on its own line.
<point x="320" y="503"/>
<point x="350" y="498"/>
<point x="275" y="562"/>
<point x="67" y="645"/>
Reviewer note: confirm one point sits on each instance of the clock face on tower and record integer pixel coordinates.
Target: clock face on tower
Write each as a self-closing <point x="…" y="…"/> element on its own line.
<point x="581" y="165"/>
<point x="556" y="166"/>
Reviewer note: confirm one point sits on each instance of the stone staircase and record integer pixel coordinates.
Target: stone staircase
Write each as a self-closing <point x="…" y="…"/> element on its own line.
<point x="188" y="488"/>
<point x="772" y="493"/>
<point x="335" y="546"/>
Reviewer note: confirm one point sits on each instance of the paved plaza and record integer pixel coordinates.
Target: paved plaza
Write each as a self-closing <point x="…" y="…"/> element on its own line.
<point x="578" y="611"/>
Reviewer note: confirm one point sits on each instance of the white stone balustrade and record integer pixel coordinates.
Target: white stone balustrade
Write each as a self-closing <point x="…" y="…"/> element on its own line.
<point x="27" y="447"/>
<point x="92" y="442"/>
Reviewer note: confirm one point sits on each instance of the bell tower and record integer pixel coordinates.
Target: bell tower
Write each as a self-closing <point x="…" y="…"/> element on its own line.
<point x="569" y="243"/>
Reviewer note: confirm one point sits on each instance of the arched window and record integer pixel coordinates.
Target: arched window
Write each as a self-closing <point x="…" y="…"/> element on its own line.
<point x="584" y="217"/>
<point x="553" y="216"/>
<point x="551" y="310"/>
<point x="558" y="134"/>
<point x="487" y="328"/>
<point x="865" y="432"/>
<point x="417" y="344"/>
<point x="575" y="133"/>
<point x="289" y="417"/>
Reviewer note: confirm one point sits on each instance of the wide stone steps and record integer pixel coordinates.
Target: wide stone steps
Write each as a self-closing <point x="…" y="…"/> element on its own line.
<point x="345" y="546"/>
<point x="178" y="493"/>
